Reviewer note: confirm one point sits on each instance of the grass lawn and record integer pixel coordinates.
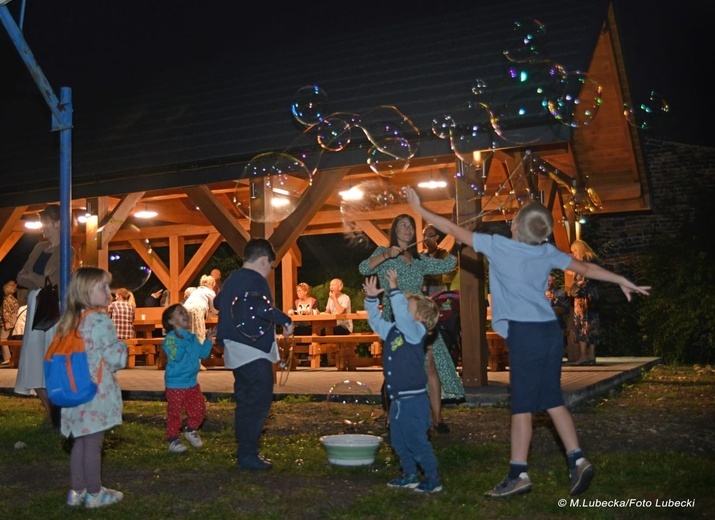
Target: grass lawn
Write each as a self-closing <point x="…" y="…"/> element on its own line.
<point x="652" y="442"/>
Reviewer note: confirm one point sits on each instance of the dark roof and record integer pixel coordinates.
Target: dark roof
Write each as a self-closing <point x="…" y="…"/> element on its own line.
<point x="162" y="102"/>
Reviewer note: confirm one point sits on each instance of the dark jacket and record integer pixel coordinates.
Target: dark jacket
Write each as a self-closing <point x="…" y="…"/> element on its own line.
<point x="245" y="311"/>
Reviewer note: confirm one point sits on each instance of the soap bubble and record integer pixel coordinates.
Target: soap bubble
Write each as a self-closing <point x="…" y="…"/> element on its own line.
<point x="351" y="401"/>
<point x="645" y="115"/>
<point x="527" y="44"/>
<point x="578" y="100"/>
<point x="393" y="158"/>
<point x="310" y="105"/>
<point x="366" y="197"/>
<point x="271" y="187"/>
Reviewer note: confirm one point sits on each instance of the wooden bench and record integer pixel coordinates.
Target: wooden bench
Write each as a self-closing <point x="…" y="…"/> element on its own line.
<point x="148" y="348"/>
<point x="498" y="353"/>
<point x="14" y="345"/>
<point x="343" y="346"/>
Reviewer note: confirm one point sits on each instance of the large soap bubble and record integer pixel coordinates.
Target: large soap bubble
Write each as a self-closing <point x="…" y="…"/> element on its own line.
<point x="271" y="187"/>
<point x="527" y="44"/>
<point x="310" y="105"/>
<point x="367" y="197"/>
<point x="352" y="402"/>
<point x="645" y="115"/>
<point x="577" y="101"/>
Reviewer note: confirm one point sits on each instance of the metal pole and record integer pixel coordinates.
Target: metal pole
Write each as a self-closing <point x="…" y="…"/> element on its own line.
<point x="62" y="122"/>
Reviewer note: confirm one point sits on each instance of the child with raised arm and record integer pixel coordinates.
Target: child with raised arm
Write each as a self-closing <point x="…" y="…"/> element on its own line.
<point x="406" y="380"/>
<point x="518" y="272"/>
<point x="88" y="295"/>
<point x="184" y="353"/>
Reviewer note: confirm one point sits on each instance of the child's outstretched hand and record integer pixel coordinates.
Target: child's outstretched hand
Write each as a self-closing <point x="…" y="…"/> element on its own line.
<point x="370" y="286"/>
<point x="391" y="276"/>
<point x="411" y="196"/>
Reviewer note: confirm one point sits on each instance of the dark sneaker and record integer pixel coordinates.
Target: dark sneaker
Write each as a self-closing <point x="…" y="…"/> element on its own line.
<point x="581" y="476"/>
<point x="255" y="463"/>
<point x="405" y="481"/>
<point x="429" y="486"/>
<point x="509" y="487"/>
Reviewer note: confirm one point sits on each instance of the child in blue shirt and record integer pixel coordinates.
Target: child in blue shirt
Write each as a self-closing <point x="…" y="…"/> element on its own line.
<point x="518" y="275"/>
<point x="406" y="380"/>
<point x="183" y="354"/>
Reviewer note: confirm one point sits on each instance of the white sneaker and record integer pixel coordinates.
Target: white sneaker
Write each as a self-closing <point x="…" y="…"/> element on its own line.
<point x="105" y="497"/>
<point x="193" y="438"/>
<point x="76" y="498"/>
<point x="177" y="447"/>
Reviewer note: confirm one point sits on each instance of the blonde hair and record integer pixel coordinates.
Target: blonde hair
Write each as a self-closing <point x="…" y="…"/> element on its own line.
<point x="79" y="295"/>
<point x="534" y="223"/>
<point x="305" y="287"/>
<point x="207" y="281"/>
<point x="426" y="312"/>
<point x="582" y="251"/>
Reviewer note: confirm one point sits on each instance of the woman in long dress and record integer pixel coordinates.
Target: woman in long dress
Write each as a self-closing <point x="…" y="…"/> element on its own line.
<point x="43" y="262"/>
<point x="411" y="267"/>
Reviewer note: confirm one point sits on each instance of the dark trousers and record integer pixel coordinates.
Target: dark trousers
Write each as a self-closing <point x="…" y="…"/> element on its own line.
<point x="253" y="391"/>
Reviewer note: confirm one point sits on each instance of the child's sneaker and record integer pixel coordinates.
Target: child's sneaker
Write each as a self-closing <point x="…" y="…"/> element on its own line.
<point x="581" y="476"/>
<point x="193" y="438"/>
<point x="105" y="497"/>
<point x="429" y="486"/>
<point x="405" y="481"/>
<point x="509" y="487"/>
<point x="76" y="498"/>
<point x="176" y="446"/>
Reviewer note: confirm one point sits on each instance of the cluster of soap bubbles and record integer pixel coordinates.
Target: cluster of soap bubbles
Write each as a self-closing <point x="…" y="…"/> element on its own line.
<point x="273" y="182"/>
<point x="351" y="402"/>
<point x="534" y="97"/>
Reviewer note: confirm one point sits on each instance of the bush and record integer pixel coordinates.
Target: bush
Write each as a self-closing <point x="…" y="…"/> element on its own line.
<point x="677" y="319"/>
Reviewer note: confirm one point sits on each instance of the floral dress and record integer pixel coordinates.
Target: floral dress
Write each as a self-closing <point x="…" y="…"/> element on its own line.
<point x="103" y="348"/>
<point x="409" y="279"/>
<point x="586" y="321"/>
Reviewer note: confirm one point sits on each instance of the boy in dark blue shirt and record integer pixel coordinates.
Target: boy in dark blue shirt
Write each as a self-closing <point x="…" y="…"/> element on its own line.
<point x="406" y="380"/>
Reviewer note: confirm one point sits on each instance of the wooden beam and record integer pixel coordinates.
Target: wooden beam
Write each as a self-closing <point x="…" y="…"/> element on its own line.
<point x="198" y="261"/>
<point x="219" y="216"/>
<point x="111" y="223"/>
<point x="152" y="260"/>
<point x="8" y="237"/>
<point x="323" y="185"/>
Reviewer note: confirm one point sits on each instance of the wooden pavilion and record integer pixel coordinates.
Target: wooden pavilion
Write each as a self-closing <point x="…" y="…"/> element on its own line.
<point x="180" y="148"/>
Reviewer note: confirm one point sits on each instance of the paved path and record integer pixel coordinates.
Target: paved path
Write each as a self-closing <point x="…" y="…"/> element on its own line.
<point x="578" y="383"/>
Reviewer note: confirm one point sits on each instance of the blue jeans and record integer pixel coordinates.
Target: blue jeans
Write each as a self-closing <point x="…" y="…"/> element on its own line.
<point x="410" y="419"/>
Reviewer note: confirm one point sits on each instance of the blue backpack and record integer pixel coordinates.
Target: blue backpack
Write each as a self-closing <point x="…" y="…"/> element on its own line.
<point x="67" y="377"/>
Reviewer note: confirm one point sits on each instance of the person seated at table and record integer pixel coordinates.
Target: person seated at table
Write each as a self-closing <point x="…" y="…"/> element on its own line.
<point x="339" y="303"/>
<point x="305" y="305"/>
<point x="154" y="297"/>
<point x="122" y="314"/>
